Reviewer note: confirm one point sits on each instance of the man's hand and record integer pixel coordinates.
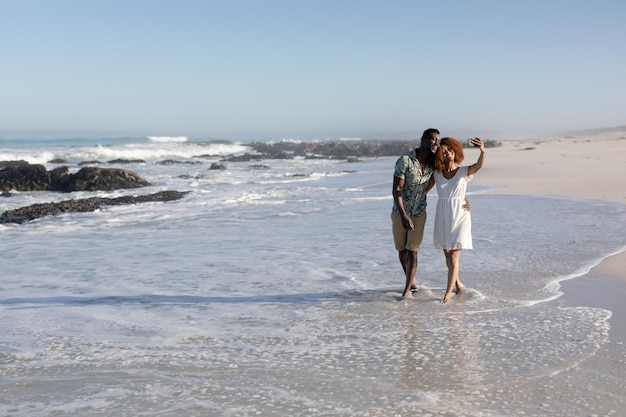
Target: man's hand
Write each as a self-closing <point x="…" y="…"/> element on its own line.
<point x="407" y="223"/>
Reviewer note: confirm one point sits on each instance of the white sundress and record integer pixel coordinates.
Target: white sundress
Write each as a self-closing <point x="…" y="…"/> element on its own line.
<point x="453" y="224"/>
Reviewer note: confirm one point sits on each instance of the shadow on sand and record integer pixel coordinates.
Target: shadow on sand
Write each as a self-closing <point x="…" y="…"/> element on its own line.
<point x="155" y="299"/>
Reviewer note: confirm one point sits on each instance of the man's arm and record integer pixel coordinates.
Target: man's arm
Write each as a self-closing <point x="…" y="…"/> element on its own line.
<point x="431" y="183"/>
<point x="398" y="185"/>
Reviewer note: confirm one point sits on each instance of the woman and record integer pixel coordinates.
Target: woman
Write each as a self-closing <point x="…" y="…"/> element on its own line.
<point x="453" y="224"/>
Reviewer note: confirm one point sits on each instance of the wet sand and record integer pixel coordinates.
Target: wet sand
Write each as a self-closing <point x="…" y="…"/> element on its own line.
<point x="584" y="167"/>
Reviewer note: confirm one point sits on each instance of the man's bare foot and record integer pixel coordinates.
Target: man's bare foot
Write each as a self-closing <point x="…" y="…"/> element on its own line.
<point x="414" y="288"/>
<point x="459" y="289"/>
<point x="447" y="297"/>
<point x="406" y="294"/>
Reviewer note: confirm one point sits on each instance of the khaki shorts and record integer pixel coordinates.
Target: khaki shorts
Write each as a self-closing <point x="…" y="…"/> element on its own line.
<point x="408" y="239"/>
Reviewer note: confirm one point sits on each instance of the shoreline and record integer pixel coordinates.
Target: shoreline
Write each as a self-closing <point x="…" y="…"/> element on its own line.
<point x="587" y="168"/>
<point x="613" y="267"/>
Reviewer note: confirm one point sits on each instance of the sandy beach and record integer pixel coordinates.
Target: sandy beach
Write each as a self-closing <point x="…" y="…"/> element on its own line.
<point x="586" y="167"/>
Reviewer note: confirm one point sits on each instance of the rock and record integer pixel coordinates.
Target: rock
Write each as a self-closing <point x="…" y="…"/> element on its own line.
<point x="103" y="179"/>
<point x="21" y="176"/>
<point x="247" y="157"/>
<point x="8" y="164"/>
<point x="175" y="162"/>
<point x="126" y="161"/>
<point x="59" y="177"/>
<point x="215" y="165"/>
<point x="35" y="211"/>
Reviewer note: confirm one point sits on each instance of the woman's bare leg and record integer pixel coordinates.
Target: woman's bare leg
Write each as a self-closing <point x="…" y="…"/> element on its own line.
<point x="452" y="262"/>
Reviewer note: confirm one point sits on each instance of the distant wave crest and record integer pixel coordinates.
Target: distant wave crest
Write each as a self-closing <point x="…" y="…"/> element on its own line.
<point x="167" y="138"/>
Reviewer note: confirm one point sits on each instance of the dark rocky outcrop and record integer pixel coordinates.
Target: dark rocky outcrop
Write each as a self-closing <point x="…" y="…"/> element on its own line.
<point x="247" y="157"/>
<point x="113" y="162"/>
<point x="333" y="149"/>
<point x="348" y="150"/>
<point x="35" y="211"/>
<point x="22" y="176"/>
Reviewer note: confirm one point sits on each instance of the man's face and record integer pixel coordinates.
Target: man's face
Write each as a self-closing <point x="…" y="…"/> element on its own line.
<point x="432" y="144"/>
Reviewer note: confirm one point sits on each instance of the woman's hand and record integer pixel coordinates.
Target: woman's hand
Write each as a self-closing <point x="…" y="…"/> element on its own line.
<point x="478" y="142"/>
<point x="472" y="169"/>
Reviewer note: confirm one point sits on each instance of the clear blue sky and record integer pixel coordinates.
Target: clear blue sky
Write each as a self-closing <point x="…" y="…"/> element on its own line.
<point x="311" y="68"/>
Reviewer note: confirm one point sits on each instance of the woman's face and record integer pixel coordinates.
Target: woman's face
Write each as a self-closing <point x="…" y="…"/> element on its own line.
<point x="448" y="153"/>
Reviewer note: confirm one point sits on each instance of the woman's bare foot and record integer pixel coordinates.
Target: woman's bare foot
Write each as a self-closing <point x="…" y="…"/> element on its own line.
<point x="447" y="297"/>
<point x="459" y="289"/>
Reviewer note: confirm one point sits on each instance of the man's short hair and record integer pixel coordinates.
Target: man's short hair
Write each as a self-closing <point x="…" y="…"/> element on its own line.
<point x="428" y="133"/>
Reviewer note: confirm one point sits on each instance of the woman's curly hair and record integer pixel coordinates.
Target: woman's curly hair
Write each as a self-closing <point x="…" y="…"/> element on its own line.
<point x="454" y="145"/>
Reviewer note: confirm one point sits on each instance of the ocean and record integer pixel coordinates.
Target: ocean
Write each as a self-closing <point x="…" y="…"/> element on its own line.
<point x="273" y="288"/>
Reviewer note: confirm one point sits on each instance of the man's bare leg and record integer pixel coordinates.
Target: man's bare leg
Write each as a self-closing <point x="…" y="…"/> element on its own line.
<point x="408" y="259"/>
<point x="404" y="261"/>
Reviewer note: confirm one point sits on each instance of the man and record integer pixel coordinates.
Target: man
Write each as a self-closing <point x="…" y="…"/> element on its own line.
<point x="412" y="179"/>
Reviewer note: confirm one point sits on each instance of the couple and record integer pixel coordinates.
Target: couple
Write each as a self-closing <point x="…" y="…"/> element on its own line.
<point x="435" y="162"/>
